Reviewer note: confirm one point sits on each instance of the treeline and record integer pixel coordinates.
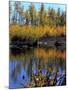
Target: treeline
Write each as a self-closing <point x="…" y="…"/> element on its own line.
<point x="33" y="17"/>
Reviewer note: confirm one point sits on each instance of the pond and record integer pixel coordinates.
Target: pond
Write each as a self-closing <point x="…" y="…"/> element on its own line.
<point x="37" y="67"/>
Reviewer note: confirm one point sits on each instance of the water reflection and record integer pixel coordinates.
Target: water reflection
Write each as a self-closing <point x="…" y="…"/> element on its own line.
<point x="37" y="67"/>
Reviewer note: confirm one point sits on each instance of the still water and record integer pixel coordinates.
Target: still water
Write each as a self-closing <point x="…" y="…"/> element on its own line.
<point x="37" y="67"/>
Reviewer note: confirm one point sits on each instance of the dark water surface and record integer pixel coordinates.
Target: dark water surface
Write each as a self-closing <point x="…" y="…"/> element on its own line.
<point x="37" y="67"/>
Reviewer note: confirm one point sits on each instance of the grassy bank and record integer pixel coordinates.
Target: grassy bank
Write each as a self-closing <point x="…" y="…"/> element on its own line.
<point x="35" y="33"/>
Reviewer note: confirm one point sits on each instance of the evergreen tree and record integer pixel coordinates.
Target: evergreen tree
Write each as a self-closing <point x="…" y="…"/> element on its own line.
<point x="27" y="17"/>
<point x="58" y="14"/>
<point x="63" y="19"/>
<point x="51" y="17"/>
<point x="32" y="13"/>
<point x="42" y="15"/>
<point x="10" y="11"/>
<point x="37" y="18"/>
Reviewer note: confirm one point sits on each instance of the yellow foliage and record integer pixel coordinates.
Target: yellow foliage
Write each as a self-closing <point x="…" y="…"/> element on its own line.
<point x="51" y="53"/>
<point x="35" y="33"/>
<point x="41" y="54"/>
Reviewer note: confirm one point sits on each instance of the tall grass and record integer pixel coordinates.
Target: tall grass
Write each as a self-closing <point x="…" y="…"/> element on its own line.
<point x="35" y="33"/>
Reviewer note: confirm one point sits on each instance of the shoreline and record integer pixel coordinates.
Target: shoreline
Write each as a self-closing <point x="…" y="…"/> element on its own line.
<point x="53" y="42"/>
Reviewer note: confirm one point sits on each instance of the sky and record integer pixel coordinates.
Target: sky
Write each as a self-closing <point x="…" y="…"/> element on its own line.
<point x="46" y="6"/>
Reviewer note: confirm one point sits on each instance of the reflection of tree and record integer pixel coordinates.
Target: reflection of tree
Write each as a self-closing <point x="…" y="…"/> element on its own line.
<point x="41" y="65"/>
<point x="29" y="70"/>
<point x="16" y="71"/>
<point x="38" y="59"/>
